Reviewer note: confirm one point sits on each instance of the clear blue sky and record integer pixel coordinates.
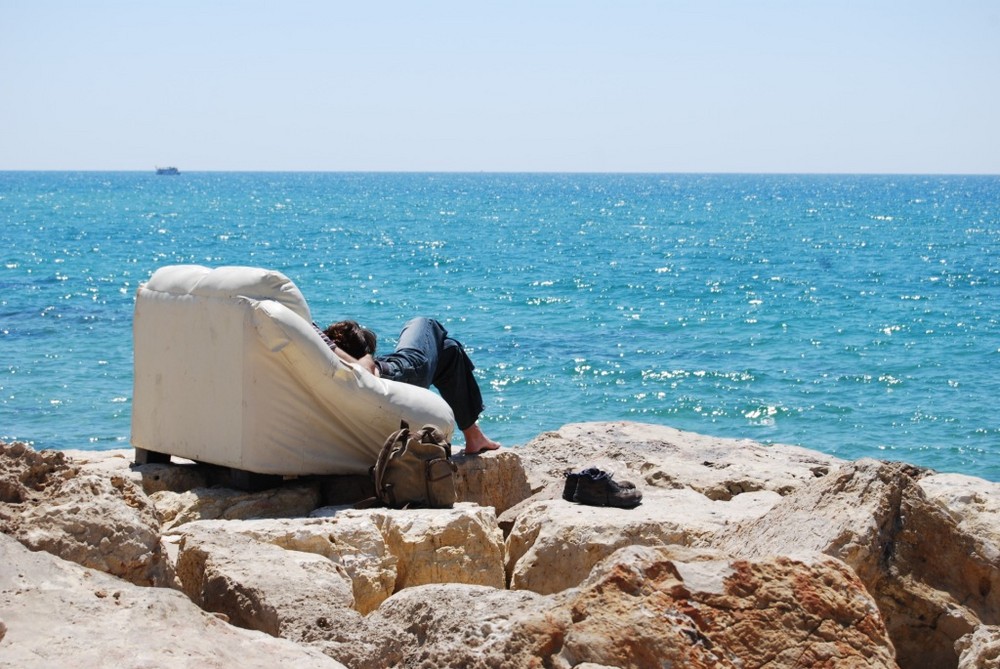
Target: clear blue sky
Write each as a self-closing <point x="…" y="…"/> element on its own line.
<point x="536" y="85"/>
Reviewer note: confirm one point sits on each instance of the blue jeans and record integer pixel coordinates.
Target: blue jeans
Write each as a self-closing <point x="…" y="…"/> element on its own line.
<point x="425" y="356"/>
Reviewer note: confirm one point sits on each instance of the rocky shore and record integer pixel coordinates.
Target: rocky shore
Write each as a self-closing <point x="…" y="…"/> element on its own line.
<point x="740" y="556"/>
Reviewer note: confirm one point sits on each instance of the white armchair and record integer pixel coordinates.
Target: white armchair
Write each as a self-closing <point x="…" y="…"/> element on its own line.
<point x="229" y="371"/>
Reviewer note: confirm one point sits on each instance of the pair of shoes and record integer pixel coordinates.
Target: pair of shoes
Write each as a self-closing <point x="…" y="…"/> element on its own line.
<point x="596" y="487"/>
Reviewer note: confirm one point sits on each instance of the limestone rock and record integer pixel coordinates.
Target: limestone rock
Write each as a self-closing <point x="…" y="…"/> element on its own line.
<point x="459" y="545"/>
<point x="934" y="582"/>
<point x="289" y="501"/>
<point x="980" y="649"/>
<point x="974" y="505"/>
<point x="58" y="614"/>
<point x="95" y="518"/>
<point x="261" y="586"/>
<point x="554" y="543"/>
<point x="641" y="608"/>
<point x="491" y="478"/>
<point x="780" y="612"/>
<point x="350" y="539"/>
<point x="282" y="576"/>
<point x="659" y="456"/>
<point x="421" y="588"/>
<point x="172" y="477"/>
<point x="378" y="551"/>
<point x="27" y="476"/>
<point x="116" y="462"/>
<point x="452" y="625"/>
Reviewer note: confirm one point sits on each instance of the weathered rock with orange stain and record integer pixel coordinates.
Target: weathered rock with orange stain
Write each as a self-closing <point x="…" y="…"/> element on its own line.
<point x="934" y="579"/>
<point x="780" y="612"/>
<point x="648" y="608"/>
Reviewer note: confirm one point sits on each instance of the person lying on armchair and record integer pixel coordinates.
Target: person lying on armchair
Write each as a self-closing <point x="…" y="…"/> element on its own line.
<point x="425" y="355"/>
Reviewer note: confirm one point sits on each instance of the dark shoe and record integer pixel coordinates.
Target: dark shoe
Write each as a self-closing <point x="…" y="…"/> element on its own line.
<point x="596" y="487"/>
<point x="569" y="488"/>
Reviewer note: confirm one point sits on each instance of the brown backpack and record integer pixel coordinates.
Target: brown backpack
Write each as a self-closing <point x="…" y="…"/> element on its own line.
<point x="414" y="469"/>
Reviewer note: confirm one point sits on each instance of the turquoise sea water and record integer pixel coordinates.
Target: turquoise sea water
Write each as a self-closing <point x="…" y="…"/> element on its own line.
<point x="856" y="315"/>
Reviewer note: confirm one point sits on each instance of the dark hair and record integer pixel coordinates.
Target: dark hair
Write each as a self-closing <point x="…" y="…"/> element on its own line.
<point x="357" y="341"/>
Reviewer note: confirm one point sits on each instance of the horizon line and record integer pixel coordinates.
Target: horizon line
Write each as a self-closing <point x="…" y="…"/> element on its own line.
<point x="153" y="170"/>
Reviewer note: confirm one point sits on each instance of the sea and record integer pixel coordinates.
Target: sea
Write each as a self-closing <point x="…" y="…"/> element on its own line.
<point x="855" y="315"/>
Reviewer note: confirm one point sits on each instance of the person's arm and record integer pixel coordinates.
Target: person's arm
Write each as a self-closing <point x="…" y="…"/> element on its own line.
<point x="366" y="363"/>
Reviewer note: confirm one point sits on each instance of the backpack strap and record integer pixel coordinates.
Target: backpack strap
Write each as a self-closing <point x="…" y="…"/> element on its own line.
<point x="368" y="503"/>
<point x="378" y="471"/>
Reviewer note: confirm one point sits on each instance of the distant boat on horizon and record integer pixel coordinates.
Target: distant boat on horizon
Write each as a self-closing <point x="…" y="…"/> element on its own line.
<point x="167" y="170"/>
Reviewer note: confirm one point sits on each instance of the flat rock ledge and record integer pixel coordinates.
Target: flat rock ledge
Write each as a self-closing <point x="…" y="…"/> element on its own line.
<point x="741" y="555"/>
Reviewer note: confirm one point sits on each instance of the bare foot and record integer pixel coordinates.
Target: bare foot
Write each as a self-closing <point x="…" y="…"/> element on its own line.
<point x="477" y="442"/>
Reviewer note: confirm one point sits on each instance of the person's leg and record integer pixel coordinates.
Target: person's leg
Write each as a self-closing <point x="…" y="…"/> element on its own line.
<point x="454" y="379"/>
<point x="415" y="359"/>
<point x="426" y="355"/>
<point x="458" y="386"/>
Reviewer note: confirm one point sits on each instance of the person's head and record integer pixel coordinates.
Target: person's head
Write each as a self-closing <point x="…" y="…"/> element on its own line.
<point x="357" y="341"/>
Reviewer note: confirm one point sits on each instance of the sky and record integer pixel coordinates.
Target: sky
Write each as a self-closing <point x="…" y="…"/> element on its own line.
<point x="874" y="86"/>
